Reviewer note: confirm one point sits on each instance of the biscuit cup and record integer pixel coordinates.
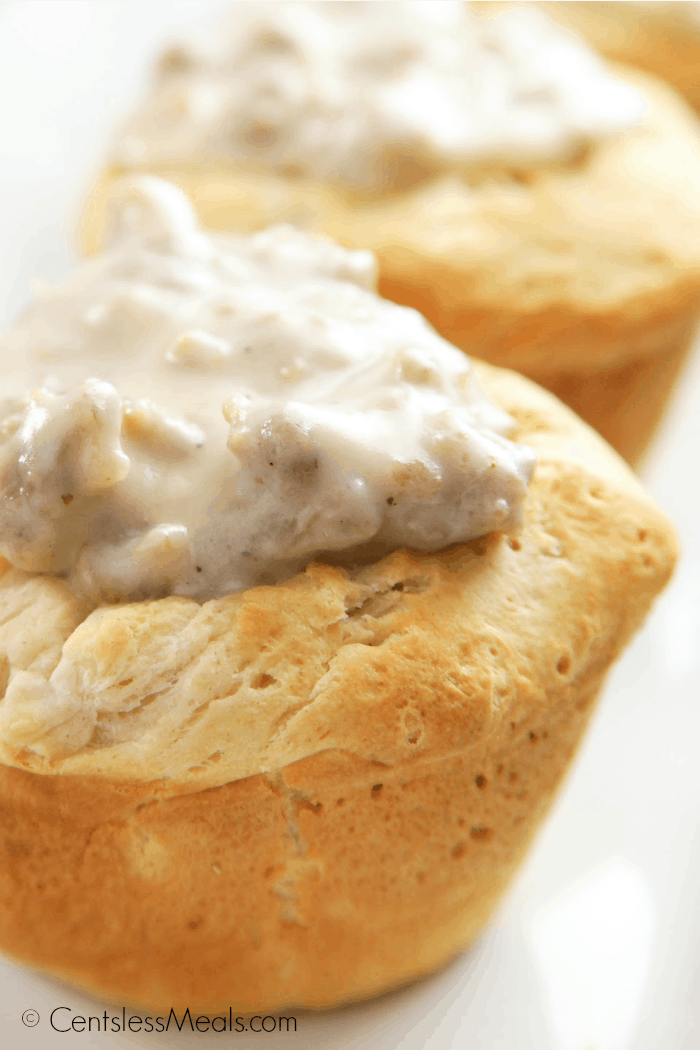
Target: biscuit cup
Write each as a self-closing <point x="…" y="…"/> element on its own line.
<point x="586" y="280"/>
<point x="328" y="783"/>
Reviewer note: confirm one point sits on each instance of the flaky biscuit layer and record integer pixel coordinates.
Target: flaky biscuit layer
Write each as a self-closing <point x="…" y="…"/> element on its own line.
<point x="206" y="694"/>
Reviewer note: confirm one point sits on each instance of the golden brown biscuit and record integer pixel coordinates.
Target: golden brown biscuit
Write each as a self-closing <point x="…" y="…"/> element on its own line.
<point x="586" y="280"/>
<point x="312" y="792"/>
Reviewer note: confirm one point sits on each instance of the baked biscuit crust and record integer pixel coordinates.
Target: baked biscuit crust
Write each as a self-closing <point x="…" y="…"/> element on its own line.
<point x="322" y="787"/>
<point x="585" y="280"/>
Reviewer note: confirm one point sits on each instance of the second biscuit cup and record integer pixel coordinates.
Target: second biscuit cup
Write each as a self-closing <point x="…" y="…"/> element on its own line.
<point x="560" y="236"/>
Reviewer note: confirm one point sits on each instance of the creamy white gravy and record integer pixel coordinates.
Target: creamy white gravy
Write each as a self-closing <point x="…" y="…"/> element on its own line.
<point x="194" y="415"/>
<point x="376" y="96"/>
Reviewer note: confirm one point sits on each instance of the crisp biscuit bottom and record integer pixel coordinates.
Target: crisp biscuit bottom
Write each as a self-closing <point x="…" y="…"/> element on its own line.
<point x="586" y="280"/>
<point x="319" y="790"/>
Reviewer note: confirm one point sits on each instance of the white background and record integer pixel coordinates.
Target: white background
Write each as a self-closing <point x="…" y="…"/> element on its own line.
<point x="598" y="944"/>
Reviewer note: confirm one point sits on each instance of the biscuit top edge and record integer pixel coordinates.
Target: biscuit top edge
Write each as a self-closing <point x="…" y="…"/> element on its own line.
<point x="199" y="695"/>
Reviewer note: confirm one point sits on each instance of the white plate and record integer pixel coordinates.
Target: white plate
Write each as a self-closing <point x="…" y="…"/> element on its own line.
<point x="598" y="945"/>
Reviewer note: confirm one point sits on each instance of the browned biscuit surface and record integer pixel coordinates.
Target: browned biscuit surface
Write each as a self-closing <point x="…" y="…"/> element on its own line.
<point x="323" y="786"/>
